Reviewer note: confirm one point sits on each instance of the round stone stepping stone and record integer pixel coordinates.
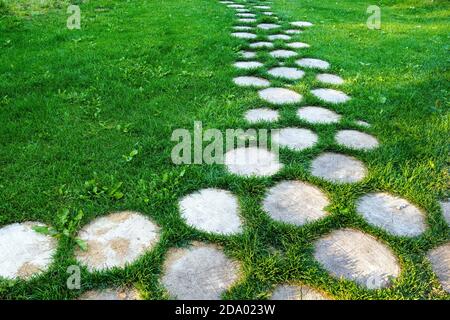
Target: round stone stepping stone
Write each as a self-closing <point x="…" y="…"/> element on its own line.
<point x="248" y="65"/>
<point x="338" y="168"/>
<point x="280" y="96"/>
<point x="273" y="37"/>
<point x="296" y="292"/>
<point x="23" y="251"/>
<point x="356" y="140"/>
<point x="445" y="206"/>
<point x="262" y="7"/>
<point x="236" y="6"/>
<point x="252" y="161"/>
<point x="313" y="63"/>
<point x="243" y="35"/>
<point x="247" y="54"/>
<point x="268" y="26"/>
<point x="318" y="115"/>
<point x="283" y="53"/>
<point x="297" y="45"/>
<point x="295" y="202"/>
<point x="356" y="256"/>
<point x="249" y="81"/>
<point x="111" y="294"/>
<point x="242" y="28"/>
<point x="242" y="10"/>
<point x="200" y="272"/>
<point x="293" y="31"/>
<point x="329" y="79"/>
<point x="261" y="44"/>
<point x="301" y="24"/>
<point x="440" y="261"/>
<point x="212" y="210"/>
<point x="116" y="240"/>
<point x="286" y="73"/>
<point x="261" y="114"/>
<point x="245" y="15"/>
<point x="393" y="214"/>
<point x="268" y="13"/>
<point x="247" y="20"/>
<point x="362" y="123"/>
<point x="330" y="95"/>
<point x="295" y="138"/>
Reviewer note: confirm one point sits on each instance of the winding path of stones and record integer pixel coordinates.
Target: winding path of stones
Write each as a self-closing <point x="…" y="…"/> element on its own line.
<point x="203" y="271"/>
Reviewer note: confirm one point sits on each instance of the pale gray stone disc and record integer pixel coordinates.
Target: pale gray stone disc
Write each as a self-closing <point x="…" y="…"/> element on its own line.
<point x="261" y="114"/>
<point x="329" y="79"/>
<point x="296" y="292"/>
<point x="261" y="44"/>
<point x="283" y="53"/>
<point x="338" y="168"/>
<point x="249" y="81"/>
<point x="280" y="96"/>
<point x="330" y="95"/>
<point x="296" y="139"/>
<point x="286" y="73"/>
<point x="313" y="63"/>
<point x="440" y="261"/>
<point x="356" y="140"/>
<point x="252" y="161"/>
<point x="318" y="115"/>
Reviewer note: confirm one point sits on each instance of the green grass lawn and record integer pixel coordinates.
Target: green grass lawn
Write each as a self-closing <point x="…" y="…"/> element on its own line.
<point x="75" y="103"/>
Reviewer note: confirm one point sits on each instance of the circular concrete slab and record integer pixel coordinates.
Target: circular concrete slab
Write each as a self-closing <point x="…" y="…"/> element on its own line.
<point x="313" y="63"/>
<point x="283" y="53"/>
<point x="247" y="54"/>
<point x="248" y="65"/>
<point x="293" y="31"/>
<point x="212" y="210"/>
<point x="445" y="206"/>
<point x="116" y="240"/>
<point x="261" y="114"/>
<point x="357" y="256"/>
<point x="356" y="140"/>
<point x="268" y="26"/>
<point x="296" y="292"/>
<point x="295" y="202"/>
<point x="273" y="37"/>
<point x="301" y="24"/>
<point x="286" y="73"/>
<point x="440" y="261"/>
<point x="391" y="213"/>
<point x="329" y="79"/>
<point x="261" y="44"/>
<point x="262" y="7"/>
<point x="295" y="138"/>
<point x="330" y="95"/>
<point x="244" y="35"/>
<point x="268" y="13"/>
<point x="252" y="161"/>
<point x="247" y="20"/>
<point x="249" y="81"/>
<point x="23" y="251"/>
<point x="111" y="294"/>
<point x="297" y="45"/>
<point x="245" y="15"/>
<point x="236" y="6"/>
<point x="242" y="10"/>
<point x="200" y="272"/>
<point x="280" y="96"/>
<point x="338" y="168"/>
<point x="242" y="28"/>
<point x="318" y="115"/>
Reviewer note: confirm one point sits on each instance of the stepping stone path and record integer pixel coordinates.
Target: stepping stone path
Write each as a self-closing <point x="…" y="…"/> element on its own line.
<point x="313" y="63"/>
<point x="330" y="95"/>
<point x="440" y="261"/>
<point x="393" y="214"/>
<point x="248" y="81"/>
<point x="357" y="256"/>
<point x="252" y="161"/>
<point x="296" y="292"/>
<point x="262" y="114"/>
<point x="23" y="251"/>
<point x="280" y="96"/>
<point x="318" y="115"/>
<point x="200" y="272"/>
<point x="295" y="138"/>
<point x="247" y="65"/>
<point x="212" y="210"/>
<point x="295" y="202"/>
<point x="356" y="140"/>
<point x="116" y="240"/>
<point x="338" y="168"/>
<point x="329" y="79"/>
<point x="111" y="294"/>
<point x="286" y="73"/>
